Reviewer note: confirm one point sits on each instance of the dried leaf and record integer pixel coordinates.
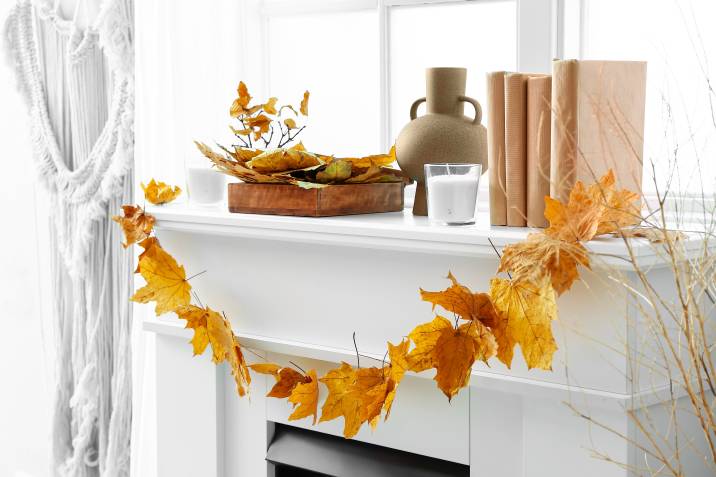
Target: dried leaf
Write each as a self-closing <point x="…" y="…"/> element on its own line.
<point x="135" y="223"/>
<point x="166" y="280"/>
<point x="340" y="401"/>
<point x="621" y="207"/>
<point x="240" y="132"/>
<point x="239" y="368"/>
<point x="336" y="171"/>
<point x="270" y="106"/>
<point x="265" y="368"/>
<point x="305" y="396"/>
<point x="226" y="347"/>
<point x="542" y="256"/>
<point x="237" y="168"/>
<point x="379" y="160"/>
<point x="398" y="366"/>
<point x="290" y="123"/>
<point x="526" y="312"/>
<point x="286" y="381"/>
<point x="577" y="221"/>
<point x="304" y="104"/>
<point x="460" y="300"/>
<point x="280" y="160"/>
<point x="241" y="103"/>
<point x="259" y="125"/>
<point x="451" y="351"/>
<point x="160" y="193"/>
<point x="196" y="319"/>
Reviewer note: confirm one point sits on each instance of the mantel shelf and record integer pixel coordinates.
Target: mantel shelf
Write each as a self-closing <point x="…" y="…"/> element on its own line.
<point x="399" y="231"/>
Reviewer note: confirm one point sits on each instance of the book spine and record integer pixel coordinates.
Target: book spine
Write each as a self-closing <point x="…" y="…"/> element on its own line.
<point x="515" y="148"/>
<point x="564" y="128"/>
<point x="539" y="118"/>
<point x="496" y="146"/>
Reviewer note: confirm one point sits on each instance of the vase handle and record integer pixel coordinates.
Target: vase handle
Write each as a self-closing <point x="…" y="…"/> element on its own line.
<point x="476" y="105"/>
<point x="414" y="108"/>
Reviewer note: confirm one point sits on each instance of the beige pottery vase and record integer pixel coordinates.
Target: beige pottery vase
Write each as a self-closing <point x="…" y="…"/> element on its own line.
<point x="442" y="135"/>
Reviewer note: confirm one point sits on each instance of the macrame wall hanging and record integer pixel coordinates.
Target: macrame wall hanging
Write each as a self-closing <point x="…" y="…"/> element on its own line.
<point x="79" y="87"/>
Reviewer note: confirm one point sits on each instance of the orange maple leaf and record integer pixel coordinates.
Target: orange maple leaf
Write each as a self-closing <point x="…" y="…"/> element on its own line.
<point x="460" y="300"/>
<point x="543" y="256"/>
<point x="135" y="223"/>
<point x="451" y="351"/>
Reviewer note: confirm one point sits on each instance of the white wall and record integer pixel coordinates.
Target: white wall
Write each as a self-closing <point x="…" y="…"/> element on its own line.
<point x="25" y="368"/>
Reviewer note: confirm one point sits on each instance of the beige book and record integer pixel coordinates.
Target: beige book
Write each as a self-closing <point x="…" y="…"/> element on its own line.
<point x="516" y="148"/>
<point x="539" y="119"/>
<point x="496" y="146"/>
<point x="597" y="123"/>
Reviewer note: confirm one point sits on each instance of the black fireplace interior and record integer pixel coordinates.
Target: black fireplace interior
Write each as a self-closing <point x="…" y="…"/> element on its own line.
<point x="297" y="452"/>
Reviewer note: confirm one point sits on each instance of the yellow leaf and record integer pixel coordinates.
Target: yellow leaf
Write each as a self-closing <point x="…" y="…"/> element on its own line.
<point x="166" y="280"/>
<point x="379" y="160"/>
<point x="259" y="125"/>
<point x="226" y="347"/>
<point x="136" y="224"/>
<point x="240" y="132"/>
<point x="160" y="193"/>
<point x="266" y="368"/>
<point x="305" y="396"/>
<point x="340" y="401"/>
<point x="196" y="319"/>
<point x="398" y="366"/>
<point x="526" y="313"/>
<point x="280" y="160"/>
<point x="290" y="123"/>
<point x="304" y="104"/>
<point x="542" y="256"/>
<point x="270" y="106"/>
<point x="241" y="103"/>
<point x="460" y="300"/>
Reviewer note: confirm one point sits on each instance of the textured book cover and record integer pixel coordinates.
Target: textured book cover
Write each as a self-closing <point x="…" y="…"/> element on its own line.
<point x="496" y="146"/>
<point x="597" y="123"/>
<point x="516" y="148"/>
<point x="539" y="121"/>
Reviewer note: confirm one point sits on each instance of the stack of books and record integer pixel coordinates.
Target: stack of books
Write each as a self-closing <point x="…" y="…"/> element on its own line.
<point x="546" y="132"/>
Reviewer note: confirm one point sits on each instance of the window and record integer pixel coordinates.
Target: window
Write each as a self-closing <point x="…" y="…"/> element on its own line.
<point x="364" y="60"/>
<point x="677" y="40"/>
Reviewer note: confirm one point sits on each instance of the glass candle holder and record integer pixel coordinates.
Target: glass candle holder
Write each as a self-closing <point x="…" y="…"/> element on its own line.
<point x="205" y="185"/>
<point x="452" y="192"/>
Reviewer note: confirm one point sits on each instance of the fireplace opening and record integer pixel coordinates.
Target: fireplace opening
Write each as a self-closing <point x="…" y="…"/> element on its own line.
<point x="296" y="452"/>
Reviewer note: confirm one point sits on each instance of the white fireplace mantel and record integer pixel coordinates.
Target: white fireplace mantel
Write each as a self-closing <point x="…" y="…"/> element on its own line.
<point x="296" y="288"/>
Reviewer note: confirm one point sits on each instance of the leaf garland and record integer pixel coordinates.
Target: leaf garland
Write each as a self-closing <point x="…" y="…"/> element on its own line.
<point x="516" y="311"/>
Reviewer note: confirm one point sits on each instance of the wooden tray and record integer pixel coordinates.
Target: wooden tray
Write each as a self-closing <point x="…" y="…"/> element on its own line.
<point x="345" y="199"/>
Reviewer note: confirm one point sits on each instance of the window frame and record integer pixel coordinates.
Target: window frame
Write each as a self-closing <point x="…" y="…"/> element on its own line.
<point x="539" y="37"/>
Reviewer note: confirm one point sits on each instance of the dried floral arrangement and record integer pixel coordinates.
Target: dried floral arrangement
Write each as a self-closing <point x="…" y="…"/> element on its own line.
<point x="518" y="309"/>
<point x="281" y="161"/>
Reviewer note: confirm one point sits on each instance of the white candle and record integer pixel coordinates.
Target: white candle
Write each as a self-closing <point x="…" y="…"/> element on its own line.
<point x="451" y="198"/>
<point x="206" y="186"/>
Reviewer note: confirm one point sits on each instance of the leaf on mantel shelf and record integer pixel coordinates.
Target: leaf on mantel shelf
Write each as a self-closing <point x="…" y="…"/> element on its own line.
<point x="135" y="223"/>
<point x="159" y="193"/>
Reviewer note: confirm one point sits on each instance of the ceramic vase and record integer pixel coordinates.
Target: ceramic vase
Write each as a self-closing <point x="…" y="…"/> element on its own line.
<point x="444" y="134"/>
